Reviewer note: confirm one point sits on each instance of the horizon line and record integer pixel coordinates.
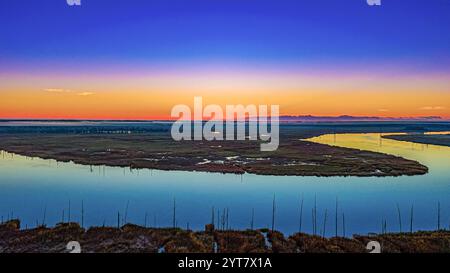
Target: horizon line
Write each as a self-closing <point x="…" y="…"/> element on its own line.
<point x="284" y="117"/>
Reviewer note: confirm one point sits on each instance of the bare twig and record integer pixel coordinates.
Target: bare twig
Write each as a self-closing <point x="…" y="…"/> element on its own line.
<point x="273" y="213"/>
<point x="324" y="223"/>
<point x="253" y="219"/>
<point x="439" y="216"/>
<point x="399" y="217"/>
<point x="336" y="219"/>
<point x="301" y="216"/>
<point x="174" y="221"/>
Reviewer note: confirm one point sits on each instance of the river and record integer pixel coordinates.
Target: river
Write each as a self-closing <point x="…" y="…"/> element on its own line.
<point x="37" y="190"/>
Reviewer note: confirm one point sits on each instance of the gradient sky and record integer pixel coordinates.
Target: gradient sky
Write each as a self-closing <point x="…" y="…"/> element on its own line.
<point x="136" y="59"/>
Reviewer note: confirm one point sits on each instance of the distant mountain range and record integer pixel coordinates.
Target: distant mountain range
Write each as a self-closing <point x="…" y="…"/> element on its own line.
<point x="283" y="118"/>
<point x="310" y="118"/>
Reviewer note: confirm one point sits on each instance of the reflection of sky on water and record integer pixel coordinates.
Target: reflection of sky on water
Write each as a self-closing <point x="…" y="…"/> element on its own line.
<point x="28" y="186"/>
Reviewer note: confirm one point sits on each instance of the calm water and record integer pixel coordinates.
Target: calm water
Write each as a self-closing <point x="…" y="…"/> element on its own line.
<point x="31" y="187"/>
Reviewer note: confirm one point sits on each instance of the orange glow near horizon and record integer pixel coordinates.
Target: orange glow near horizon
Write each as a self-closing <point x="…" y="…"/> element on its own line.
<point x="152" y="97"/>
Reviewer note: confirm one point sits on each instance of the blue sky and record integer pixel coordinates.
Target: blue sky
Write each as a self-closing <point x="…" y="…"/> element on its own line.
<point x="242" y="31"/>
<point x="121" y="59"/>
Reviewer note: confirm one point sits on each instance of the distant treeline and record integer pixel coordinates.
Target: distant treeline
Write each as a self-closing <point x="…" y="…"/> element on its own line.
<point x="88" y="129"/>
<point x="302" y="128"/>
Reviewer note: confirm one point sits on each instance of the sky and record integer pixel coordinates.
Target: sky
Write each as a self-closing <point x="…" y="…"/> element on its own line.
<point x="136" y="59"/>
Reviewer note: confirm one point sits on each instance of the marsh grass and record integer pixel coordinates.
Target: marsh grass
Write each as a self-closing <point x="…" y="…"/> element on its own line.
<point x="221" y="220"/>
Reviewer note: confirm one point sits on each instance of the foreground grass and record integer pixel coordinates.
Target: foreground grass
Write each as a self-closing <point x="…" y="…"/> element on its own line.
<point x="133" y="238"/>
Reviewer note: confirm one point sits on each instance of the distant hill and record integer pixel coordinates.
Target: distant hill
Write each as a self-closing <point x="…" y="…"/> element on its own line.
<point x="310" y="118"/>
<point x="284" y="118"/>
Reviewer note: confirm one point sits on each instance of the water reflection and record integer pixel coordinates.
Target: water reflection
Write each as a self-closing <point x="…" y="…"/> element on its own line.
<point x="30" y="187"/>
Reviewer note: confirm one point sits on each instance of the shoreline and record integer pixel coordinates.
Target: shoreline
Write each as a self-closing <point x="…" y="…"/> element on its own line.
<point x="132" y="238"/>
<point x="155" y="151"/>
<point x="432" y="139"/>
<point x="212" y="171"/>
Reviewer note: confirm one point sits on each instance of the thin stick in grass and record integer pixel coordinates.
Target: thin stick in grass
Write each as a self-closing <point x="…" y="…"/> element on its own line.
<point x="315" y="215"/>
<point x="336" y="219"/>
<point x="399" y="218"/>
<point x="301" y="216"/>
<point x="411" y="219"/>
<point x="82" y="213"/>
<point x="69" y="212"/>
<point x="273" y="213"/>
<point x="325" y="223"/>
<point x="126" y="213"/>
<point x="145" y="220"/>
<point x="343" y="225"/>
<point x="174" y="221"/>
<point x="253" y="219"/>
<point x="44" y="216"/>
<point x="439" y="216"/>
